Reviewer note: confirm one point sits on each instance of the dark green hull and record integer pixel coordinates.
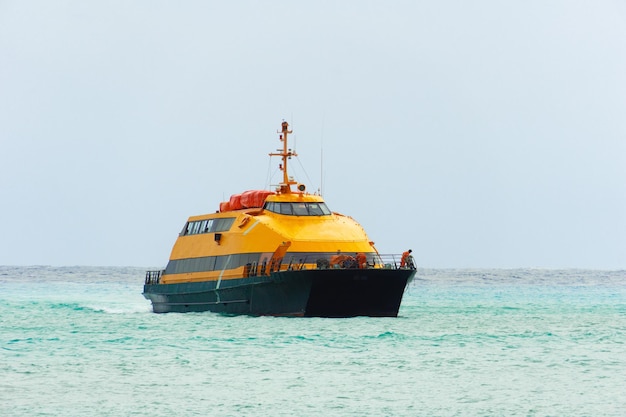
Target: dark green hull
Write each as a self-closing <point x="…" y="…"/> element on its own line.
<point x="313" y="293"/>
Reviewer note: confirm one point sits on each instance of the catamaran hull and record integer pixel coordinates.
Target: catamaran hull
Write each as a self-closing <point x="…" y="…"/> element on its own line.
<point x="311" y="293"/>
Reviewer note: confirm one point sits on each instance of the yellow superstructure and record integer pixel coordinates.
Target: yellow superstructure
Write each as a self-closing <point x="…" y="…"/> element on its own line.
<point x="260" y="231"/>
<point x="283" y="227"/>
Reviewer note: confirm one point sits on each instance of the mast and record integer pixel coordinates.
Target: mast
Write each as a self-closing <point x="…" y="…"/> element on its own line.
<point x="285" y="154"/>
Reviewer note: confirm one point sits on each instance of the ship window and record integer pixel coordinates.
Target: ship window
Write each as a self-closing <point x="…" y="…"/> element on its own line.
<point x="284" y="208"/>
<point x="193" y="264"/>
<point x="325" y="209"/>
<point x="318" y="209"/>
<point x="299" y="209"/>
<point x="208" y="226"/>
<point x="222" y="225"/>
<point x="269" y="206"/>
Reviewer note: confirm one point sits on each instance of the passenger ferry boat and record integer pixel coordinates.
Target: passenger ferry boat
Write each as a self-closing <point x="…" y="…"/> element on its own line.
<point x="281" y="252"/>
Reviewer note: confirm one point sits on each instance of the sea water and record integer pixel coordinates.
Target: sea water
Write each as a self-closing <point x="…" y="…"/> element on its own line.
<point x="79" y="341"/>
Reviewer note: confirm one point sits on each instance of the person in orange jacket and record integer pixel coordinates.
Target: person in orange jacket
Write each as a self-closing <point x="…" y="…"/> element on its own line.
<point x="404" y="262"/>
<point x="361" y="260"/>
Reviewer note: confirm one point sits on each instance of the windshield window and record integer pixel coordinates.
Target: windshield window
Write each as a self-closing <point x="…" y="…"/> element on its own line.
<point x="298" y="209"/>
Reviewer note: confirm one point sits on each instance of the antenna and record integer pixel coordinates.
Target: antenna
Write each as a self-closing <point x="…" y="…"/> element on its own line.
<point x="322" y="157"/>
<point x="322" y="169"/>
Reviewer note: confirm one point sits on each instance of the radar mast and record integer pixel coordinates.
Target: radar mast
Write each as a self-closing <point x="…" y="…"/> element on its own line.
<point x="285" y="154"/>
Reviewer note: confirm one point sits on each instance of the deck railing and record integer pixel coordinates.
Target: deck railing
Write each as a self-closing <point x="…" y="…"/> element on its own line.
<point x="338" y="261"/>
<point x="344" y="261"/>
<point x="153" y="277"/>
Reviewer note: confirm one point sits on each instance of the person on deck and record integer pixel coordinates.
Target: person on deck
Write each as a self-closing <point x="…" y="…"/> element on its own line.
<point x="361" y="260"/>
<point x="406" y="259"/>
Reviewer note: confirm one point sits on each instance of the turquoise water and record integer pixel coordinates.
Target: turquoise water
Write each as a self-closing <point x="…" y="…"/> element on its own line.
<point x="80" y="341"/>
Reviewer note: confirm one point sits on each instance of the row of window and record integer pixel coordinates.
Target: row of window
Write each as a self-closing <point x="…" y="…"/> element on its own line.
<point x="298" y="209"/>
<point x="218" y="263"/>
<point x="224" y="224"/>
<point x="208" y="226"/>
<point x="210" y="263"/>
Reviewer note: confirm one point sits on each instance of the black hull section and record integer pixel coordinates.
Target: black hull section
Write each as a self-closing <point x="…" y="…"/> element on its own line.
<point x="311" y="293"/>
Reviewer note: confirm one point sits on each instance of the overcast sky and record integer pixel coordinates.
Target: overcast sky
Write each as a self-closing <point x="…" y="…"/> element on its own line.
<point x="477" y="133"/>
